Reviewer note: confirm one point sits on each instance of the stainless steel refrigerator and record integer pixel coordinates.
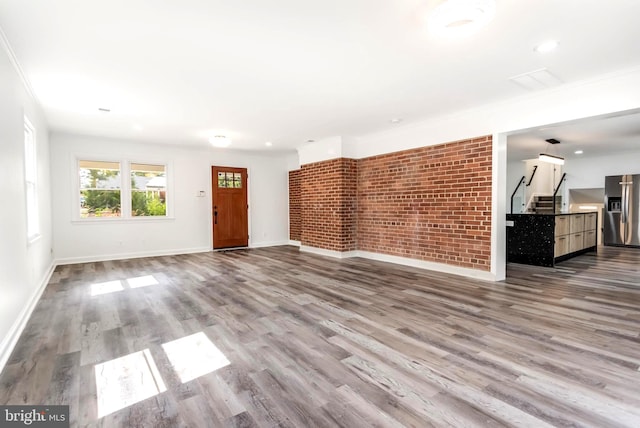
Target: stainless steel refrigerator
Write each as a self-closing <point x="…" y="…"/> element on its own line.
<point x="622" y="210"/>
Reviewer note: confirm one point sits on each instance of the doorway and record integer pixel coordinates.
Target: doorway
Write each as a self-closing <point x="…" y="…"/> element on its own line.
<point x="229" y="207"/>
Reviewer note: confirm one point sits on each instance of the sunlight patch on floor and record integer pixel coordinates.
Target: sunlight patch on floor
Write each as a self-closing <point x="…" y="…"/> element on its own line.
<point x="142" y="281"/>
<point x="101" y="288"/>
<point x="106" y="287"/>
<point x="125" y="381"/>
<point x="194" y="356"/>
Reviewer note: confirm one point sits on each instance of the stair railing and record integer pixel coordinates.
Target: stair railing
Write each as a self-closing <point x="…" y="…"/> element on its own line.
<point x="535" y="168"/>
<point x="555" y="192"/>
<point x="522" y="180"/>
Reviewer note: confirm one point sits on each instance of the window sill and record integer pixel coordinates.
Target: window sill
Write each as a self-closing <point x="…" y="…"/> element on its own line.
<point x="121" y="220"/>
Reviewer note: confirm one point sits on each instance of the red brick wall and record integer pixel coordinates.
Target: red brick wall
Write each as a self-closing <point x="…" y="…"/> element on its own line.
<point x="328" y="204"/>
<point x="431" y="203"/>
<point x="295" y="219"/>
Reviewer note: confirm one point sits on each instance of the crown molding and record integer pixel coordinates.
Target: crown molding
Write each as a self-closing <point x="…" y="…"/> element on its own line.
<point x="16" y="65"/>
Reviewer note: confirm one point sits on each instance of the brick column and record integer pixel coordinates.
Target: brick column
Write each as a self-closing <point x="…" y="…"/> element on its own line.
<point x="328" y="204"/>
<point x="295" y="217"/>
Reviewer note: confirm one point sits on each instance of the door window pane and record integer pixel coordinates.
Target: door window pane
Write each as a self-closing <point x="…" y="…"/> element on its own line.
<point x="148" y="190"/>
<point x="230" y="180"/>
<point x="99" y="189"/>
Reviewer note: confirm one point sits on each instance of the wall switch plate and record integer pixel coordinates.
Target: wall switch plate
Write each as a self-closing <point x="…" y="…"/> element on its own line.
<point x="200" y="194"/>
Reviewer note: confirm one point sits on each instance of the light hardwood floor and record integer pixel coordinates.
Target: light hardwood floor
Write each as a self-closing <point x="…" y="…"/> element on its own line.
<point x="307" y="341"/>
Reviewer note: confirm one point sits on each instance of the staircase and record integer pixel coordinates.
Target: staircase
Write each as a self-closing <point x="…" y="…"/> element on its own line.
<point x="542" y="204"/>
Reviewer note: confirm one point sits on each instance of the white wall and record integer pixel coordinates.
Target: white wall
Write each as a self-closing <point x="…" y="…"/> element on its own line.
<point x="24" y="268"/>
<point x="188" y="228"/>
<point x="589" y="172"/>
<point x="515" y="171"/>
<point x="293" y="161"/>
<point x="321" y="150"/>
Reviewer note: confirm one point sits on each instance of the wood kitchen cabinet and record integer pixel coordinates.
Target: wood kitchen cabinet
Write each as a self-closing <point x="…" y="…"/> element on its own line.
<point x="590" y="221"/>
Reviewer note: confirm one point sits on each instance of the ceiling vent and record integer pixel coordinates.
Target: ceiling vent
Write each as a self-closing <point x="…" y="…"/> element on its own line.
<point x="536" y="80"/>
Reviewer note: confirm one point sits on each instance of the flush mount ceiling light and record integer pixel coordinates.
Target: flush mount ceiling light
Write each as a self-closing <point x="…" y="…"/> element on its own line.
<point x="544" y="157"/>
<point x="545" y="47"/>
<point x="461" y="17"/>
<point x="268" y="144"/>
<point x="220" y="141"/>
<point x="578" y="152"/>
<point x="396" y="120"/>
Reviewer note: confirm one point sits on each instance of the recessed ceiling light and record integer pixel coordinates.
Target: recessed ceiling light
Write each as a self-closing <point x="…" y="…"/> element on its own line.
<point x="461" y="17"/>
<point x="104" y="109"/>
<point x="220" y="141"/>
<point x="138" y="127"/>
<point x="268" y="144"/>
<point x="396" y="120"/>
<point x="578" y="152"/>
<point x="545" y="47"/>
<point x="311" y="141"/>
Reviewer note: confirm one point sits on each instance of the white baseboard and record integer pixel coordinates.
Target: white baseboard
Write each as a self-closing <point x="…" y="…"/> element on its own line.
<point x="328" y="253"/>
<point x="122" y="256"/>
<point x="295" y="243"/>
<point x="405" y="261"/>
<point x="11" y="339"/>
<point x="438" y="267"/>
<point x="268" y="244"/>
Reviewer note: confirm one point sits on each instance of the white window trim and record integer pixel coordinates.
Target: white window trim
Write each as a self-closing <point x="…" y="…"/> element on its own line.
<point x="125" y="190"/>
<point x="32" y="235"/>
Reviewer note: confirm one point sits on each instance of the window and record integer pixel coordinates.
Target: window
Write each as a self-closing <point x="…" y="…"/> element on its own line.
<point x="148" y="190"/>
<point x="105" y="192"/>
<point x="100" y="187"/>
<point x="31" y="181"/>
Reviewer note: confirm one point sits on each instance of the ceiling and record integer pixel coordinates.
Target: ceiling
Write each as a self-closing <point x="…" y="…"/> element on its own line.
<point x="595" y="137"/>
<point x="287" y="71"/>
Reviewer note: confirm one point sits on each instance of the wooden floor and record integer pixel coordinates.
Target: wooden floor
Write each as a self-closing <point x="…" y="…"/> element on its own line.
<point x="300" y="340"/>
